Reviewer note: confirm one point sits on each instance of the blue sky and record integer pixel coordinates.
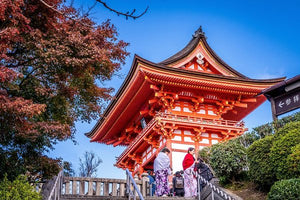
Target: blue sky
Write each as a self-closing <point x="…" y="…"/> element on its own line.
<point x="260" y="39"/>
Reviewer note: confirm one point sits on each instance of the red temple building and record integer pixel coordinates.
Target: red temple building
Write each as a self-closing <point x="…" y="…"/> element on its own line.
<point x="192" y="99"/>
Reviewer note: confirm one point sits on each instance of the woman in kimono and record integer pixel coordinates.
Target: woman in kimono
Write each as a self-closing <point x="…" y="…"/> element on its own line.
<point x="190" y="182"/>
<point x="162" y="170"/>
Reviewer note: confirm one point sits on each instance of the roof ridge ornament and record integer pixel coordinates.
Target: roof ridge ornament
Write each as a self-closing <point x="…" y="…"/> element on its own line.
<point x="199" y="32"/>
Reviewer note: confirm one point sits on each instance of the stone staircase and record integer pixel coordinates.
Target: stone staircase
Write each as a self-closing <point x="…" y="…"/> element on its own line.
<point x="77" y="197"/>
<point x="206" y="194"/>
<point x="76" y="188"/>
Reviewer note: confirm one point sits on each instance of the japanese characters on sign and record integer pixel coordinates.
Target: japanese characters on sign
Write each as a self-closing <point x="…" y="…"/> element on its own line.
<point x="287" y="102"/>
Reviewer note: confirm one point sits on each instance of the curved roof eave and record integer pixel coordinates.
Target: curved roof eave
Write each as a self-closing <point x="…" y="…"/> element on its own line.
<point x="115" y="98"/>
<point x="199" y="73"/>
<point x="137" y="59"/>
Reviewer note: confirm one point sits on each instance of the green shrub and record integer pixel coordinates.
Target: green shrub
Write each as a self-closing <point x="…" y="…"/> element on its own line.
<point x="289" y="137"/>
<point x="261" y="169"/>
<point x="293" y="161"/>
<point x="19" y="189"/>
<point x="204" y="154"/>
<point x="228" y="159"/>
<point x="285" y="189"/>
<point x="291" y="126"/>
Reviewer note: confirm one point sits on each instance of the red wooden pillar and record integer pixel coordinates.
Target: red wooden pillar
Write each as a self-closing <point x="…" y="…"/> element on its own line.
<point x="196" y="149"/>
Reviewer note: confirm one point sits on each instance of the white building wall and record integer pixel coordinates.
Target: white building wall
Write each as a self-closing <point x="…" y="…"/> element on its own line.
<point x="177" y="158"/>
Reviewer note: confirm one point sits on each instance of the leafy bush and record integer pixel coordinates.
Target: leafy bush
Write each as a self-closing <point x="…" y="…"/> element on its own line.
<point x="285" y="189"/>
<point x="204" y="154"/>
<point x="261" y="169"/>
<point x="289" y="137"/>
<point x="228" y="159"/>
<point x="293" y="161"/>
<point x="288" y="127"/>
<point x="19" y="189"/>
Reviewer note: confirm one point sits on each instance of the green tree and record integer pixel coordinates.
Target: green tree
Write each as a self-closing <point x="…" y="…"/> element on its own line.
<point x="248" y="138"/>
<point x="293" y="161"/>
<point x="281" y="150"/>
<point x="19" y="189"/>
<point x="204" y="154"/>
<point x="53" y="65"/>
<point x="269" y="128"/>
<point x="67" y="168"/>
<point x="261" y="169"/>
<point x="228" y="159"/>
<point x="88" y="164"/>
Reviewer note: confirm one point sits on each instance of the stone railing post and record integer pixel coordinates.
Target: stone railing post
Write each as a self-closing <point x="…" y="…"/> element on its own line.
<point x="67" y="187"/>
<point x="145" y="179"/>
<point x="122" y="189"/>
<point x="106" y="188"/>
<point x="136" y="178"/>
<point x="81" y="187"/>
<point x="74" y="187"/>
<point x="94" y="187"/>
<point x="98" y="189"/>
<point x="114" y="189"/>
<point x="90" y="188"/>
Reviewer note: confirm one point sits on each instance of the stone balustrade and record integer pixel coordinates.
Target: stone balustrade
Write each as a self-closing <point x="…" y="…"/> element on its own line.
<point x="98" y="186"/>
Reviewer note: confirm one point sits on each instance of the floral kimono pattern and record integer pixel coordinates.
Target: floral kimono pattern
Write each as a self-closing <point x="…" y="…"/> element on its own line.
<point x="161" y="178"/>
<point x="190" y="182"/>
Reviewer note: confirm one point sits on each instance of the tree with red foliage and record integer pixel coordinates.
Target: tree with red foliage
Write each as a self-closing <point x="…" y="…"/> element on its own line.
<point x="52" y="65"/>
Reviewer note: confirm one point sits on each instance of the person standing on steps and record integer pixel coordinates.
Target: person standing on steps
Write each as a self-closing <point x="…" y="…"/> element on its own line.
<point x="190" y="182"/>
<point x="178" y="184"/>
<point x="162" y="170"/>
<point x="151" y="182"/>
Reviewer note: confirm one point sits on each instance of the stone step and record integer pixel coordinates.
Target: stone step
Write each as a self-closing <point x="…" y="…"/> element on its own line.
<point x="74" y="197"/>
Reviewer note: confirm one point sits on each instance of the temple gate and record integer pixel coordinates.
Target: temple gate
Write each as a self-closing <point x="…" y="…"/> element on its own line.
<point x="190" y="99"/>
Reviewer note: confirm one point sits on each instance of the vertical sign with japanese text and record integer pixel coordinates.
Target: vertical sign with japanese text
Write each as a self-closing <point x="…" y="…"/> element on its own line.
<point x="287" y="102"/>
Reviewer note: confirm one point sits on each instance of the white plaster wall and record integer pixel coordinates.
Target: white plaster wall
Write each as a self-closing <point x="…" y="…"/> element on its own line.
<point x="177" y="108"/>
<point x="214" y="141"/>
<point x="201" y="111"/>
<point x="204" y="134"/>
<point x="204" y="141"/>
<point x="188" y="139"/>
<point x="177" y="131"/>
<point x="177" y="138"/>
<point x="177" y="158"/>
<point x="181" y="146"/>
<point x="187" y="133"/>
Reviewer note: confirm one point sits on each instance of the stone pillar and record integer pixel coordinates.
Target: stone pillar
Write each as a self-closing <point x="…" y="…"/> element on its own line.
<point x="67" y="187"/>
<point x="145" y="179"/>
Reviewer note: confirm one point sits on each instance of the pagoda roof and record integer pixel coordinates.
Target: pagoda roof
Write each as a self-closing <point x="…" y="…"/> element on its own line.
<point x="135" y="90"/>
<point x="198" y="36"/>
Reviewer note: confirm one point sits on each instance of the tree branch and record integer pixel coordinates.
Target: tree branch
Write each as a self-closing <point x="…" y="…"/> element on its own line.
<point x="127" y="15"/>
<point x="52" y="7"/>
<point x="56" y="10"/>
